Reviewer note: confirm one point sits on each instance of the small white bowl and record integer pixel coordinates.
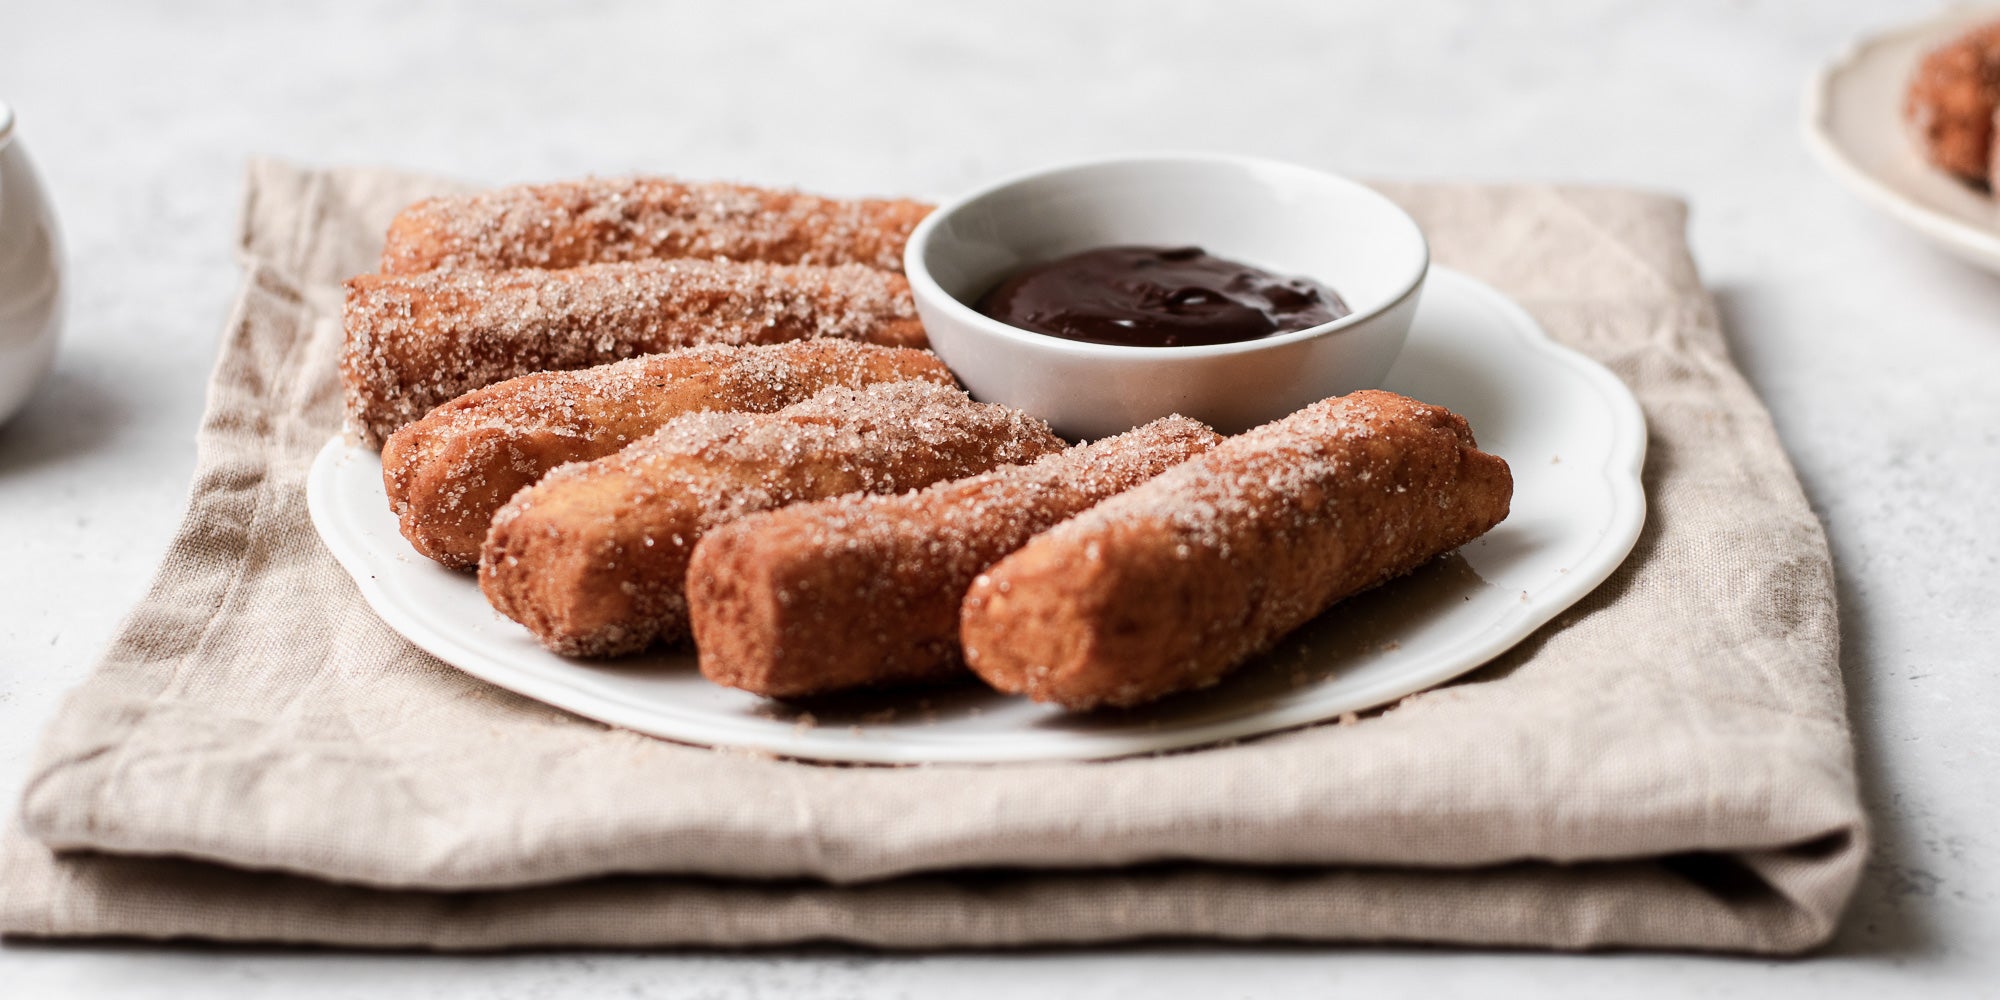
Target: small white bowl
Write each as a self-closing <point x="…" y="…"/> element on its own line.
<point x="1283" y="218"/>
<point x="31" y="274"/>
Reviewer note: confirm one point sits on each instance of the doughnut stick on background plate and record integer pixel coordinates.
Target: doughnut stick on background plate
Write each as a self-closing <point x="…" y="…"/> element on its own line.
<point x="1951" y="102"/>
<point x="864" y="590"/>
<point x="593" y="558"/>
<point x="1172" y="585"/>
<point x="446" y="474"/>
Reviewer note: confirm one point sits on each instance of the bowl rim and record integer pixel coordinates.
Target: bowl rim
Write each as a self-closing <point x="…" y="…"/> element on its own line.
<point x="925" y="286"/>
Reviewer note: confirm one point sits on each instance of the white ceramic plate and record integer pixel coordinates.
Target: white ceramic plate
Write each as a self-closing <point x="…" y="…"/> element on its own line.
<point x="1572" y="432"/>
<point x="1854" y="124"/>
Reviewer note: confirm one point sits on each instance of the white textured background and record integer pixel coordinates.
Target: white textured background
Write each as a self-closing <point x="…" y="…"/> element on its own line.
<point x="1878" y="355"/>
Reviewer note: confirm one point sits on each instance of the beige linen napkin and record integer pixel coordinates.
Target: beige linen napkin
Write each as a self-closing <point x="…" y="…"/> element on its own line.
<point x="258" y="758"/>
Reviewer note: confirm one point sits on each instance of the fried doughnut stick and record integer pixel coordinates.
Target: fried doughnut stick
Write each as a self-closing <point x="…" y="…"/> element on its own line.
<point x="415" y="341"/>
<point x="1172" y="585"/>
<point x="447" y="473"/>
<point x="1951" y="102"/>
<point x="593" y="558"/>
<point x="640" y="218"/>
<point x="864" y="590"/>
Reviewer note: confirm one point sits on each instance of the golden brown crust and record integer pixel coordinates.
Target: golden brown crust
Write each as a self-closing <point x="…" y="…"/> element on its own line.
<point x="1951" y="103"/>
<point x="1173" y="584"/>
<point x="447" y="473"/>
<point x="416" y="341"/>
<point x="592" y="559"/>
<point x="864" y="590"/>
<point x="641" y="218"/>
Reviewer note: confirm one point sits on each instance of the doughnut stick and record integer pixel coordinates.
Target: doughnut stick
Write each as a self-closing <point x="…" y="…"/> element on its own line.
<point x="1951" y="100"/>
<point x="640" y="218"/>
<point x="416" y="341"/>
<point x="864" y="590"/>
<point x="1174" y="584"/>
<point x="593" y="558"/>
<point x="446" y="474"/>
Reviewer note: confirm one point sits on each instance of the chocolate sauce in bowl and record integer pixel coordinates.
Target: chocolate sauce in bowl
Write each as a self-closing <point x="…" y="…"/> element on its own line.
<point x="1141" y="296"/>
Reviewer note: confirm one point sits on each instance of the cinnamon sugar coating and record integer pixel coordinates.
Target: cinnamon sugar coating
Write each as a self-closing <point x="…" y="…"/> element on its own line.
<point x="1170" y="586"/>
<point x="864" y="590"/>
<point x="415" y="341"/>
<point x="447" y="473"/>
<point x="1951" y="103"/>
<point x="639" y="218"/>
<point x="592" y="559"/>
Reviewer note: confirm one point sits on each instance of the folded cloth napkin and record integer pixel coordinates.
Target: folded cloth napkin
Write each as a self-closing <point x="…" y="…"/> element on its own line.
<point x="258" y="758"/>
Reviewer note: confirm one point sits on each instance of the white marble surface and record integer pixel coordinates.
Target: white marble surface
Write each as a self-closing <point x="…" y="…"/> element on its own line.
<point x="1877" y="355"/>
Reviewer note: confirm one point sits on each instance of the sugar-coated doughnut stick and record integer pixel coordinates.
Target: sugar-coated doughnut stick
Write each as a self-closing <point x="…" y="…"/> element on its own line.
<point x="1172" y="585"/>
<point x="447" y="474"/>
<point x="593" y="558"/>
<point x="1949" y="106"/>
<point x="592" y="221"/>
<point x="416" y="341"/>
<point x="864" y="590"/>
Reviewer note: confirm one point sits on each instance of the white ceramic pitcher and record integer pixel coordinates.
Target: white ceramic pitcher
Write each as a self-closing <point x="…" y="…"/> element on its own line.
<point x="31" y="273"/>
